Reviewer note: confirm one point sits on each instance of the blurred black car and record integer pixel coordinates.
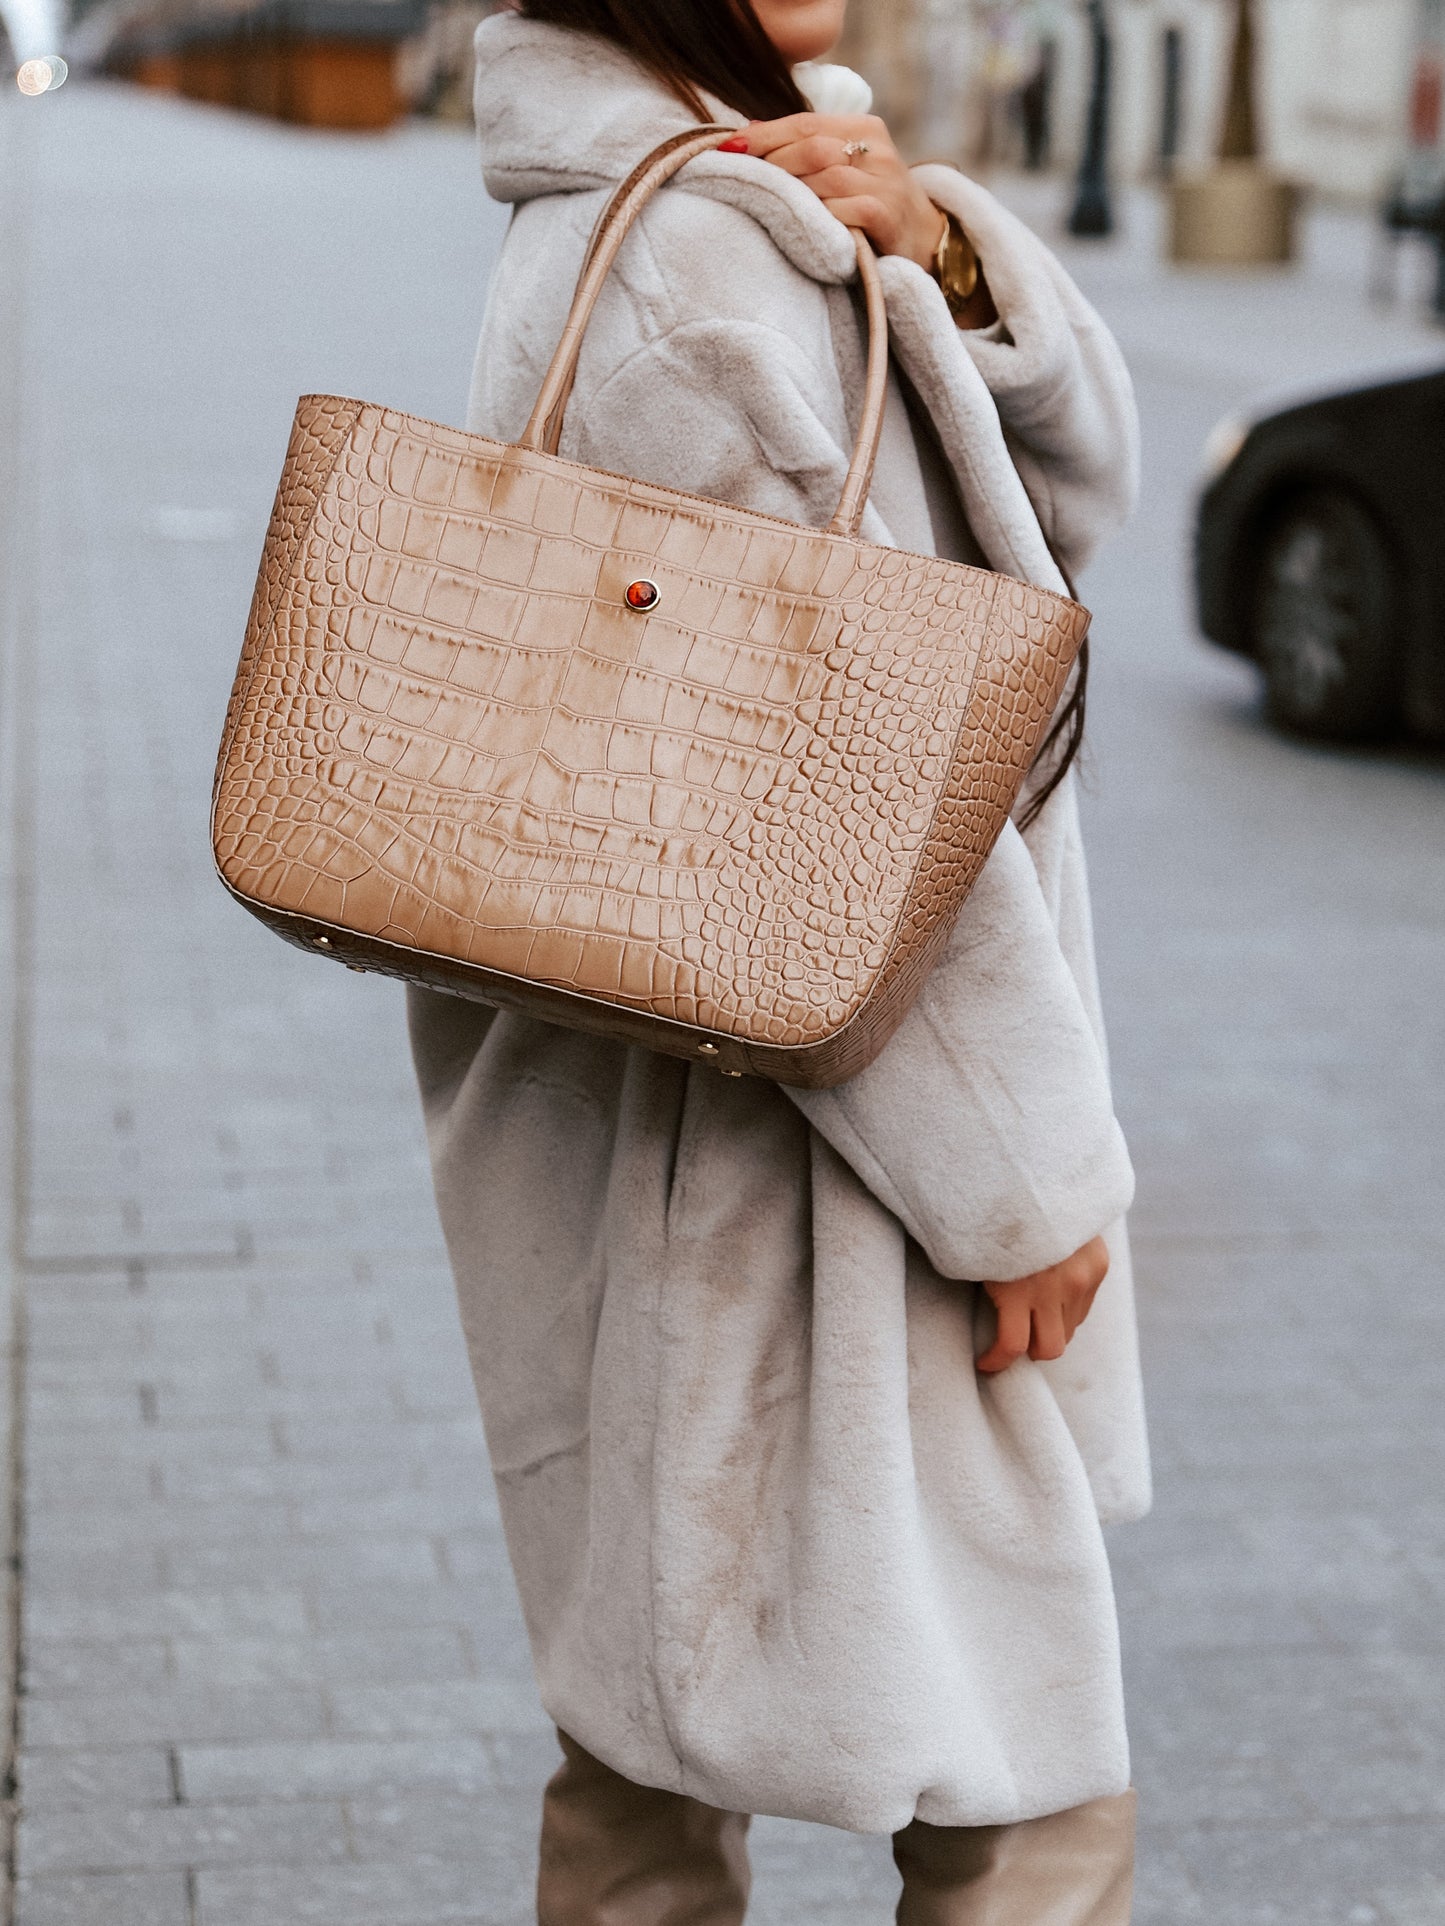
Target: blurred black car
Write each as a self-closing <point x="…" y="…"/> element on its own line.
<point x="1321" y="554"/>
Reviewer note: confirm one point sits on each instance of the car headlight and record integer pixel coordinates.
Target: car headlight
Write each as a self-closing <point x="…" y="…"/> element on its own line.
<point x="1224" y="442"/>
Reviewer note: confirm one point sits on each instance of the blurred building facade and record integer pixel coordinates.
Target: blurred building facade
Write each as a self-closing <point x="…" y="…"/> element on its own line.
<point x="984" y="82"/>
<point x="339" y="64"/>
<point x="1007" y="81"/>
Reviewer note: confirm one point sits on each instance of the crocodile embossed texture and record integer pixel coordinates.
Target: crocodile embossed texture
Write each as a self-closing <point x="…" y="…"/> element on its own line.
<point x="751" y="810"/>
<point x="318" y="435"/>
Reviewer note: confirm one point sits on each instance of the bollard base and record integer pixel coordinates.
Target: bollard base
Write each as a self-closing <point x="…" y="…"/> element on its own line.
<point x="1237" y="215"/>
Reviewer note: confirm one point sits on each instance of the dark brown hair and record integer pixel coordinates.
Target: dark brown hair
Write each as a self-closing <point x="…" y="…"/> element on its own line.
<point x="693" y="46"/>
<point x="719" y="47"/>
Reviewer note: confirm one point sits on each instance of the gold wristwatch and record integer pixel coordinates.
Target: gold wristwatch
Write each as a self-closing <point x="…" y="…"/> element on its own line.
<point x="955" y="265"/>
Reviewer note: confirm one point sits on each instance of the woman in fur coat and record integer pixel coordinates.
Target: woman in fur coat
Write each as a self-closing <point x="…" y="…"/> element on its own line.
<point x="803" y="1409"/>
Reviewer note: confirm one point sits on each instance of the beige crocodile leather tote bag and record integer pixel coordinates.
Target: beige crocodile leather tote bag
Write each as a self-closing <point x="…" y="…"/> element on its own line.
<point x="614" y="756"/>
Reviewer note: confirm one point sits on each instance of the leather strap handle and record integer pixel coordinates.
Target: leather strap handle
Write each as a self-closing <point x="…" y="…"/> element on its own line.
<point x="543" y="431"/>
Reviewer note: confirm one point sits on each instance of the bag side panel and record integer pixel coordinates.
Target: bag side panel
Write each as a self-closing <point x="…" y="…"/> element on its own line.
<point x="1033" y="639"/>
<point x="318" y="434"/>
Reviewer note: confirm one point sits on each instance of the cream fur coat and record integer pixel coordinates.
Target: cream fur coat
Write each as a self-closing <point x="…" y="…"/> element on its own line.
<point x="778" y="1545"/>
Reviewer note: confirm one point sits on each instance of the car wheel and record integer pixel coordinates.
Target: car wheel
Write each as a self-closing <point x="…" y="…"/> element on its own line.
<point x="1325" y="596"/>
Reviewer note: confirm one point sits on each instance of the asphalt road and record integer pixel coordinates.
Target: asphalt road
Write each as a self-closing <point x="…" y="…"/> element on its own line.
<point x="272" y="1669"/>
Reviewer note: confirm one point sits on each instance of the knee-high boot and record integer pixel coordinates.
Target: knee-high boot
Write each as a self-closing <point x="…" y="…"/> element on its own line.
<point x="619" y="1854"/>
<point x="1072" y="1868"/>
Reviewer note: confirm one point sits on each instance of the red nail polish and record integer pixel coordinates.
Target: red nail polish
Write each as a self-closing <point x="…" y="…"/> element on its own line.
<point x="737" y="145"/>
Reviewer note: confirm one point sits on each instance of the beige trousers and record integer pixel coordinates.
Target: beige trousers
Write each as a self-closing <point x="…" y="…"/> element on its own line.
<point x="619" y="1854"/>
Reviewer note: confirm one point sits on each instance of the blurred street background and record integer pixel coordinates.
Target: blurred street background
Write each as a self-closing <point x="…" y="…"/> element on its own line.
<point x="265" y="1657"/>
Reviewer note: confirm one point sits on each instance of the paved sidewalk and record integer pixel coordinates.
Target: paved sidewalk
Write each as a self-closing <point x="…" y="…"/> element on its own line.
<point x="1272" y="941"/>
<point x="273" y="1671"/>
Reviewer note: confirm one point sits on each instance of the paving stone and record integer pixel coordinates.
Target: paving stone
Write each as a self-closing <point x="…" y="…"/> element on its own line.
<point x="491" y="1704"/>
<point x="333" y="1768"/>
<point x="155" y="1837"/>
<point x="447" y="1509"/>
<point x="417" y="1657"/>
<point x="288" y="1478"/>
<point x="173" y="1711"/>
<point x="320" y="1439"/>
<point x="91" y="1779"/>
<point x="418" y="1892"/>
<point x="163" y="1523"/>
<point x="354" y="1563"/>
<point x="808" y="1873"/>
<point x="1164" y="1892"/>
<point x="1421" y="1902"/>
<point x="115" y="1569"/>
<point x="336" y="1606"/>
<point x="56" y="1667"/>
<point x="1276" y="1875"/>
<point x="108" y="1899"/>
<point x="221" y="1614"/>
<point x="51" y="1488"/>
<point x="90" y="1447"/>
<point x="454" y="1827"/>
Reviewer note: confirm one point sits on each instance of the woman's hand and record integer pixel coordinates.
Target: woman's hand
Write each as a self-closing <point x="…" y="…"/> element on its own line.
<point x="1038" y="1315"/>
<point x="868" y="188"/>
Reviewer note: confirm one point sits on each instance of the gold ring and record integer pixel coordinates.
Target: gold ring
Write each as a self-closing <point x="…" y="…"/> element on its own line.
<point x="853" y="147"/>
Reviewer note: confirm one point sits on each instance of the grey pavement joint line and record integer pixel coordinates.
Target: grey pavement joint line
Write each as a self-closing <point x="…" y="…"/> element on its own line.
<point x="14" y="758"/>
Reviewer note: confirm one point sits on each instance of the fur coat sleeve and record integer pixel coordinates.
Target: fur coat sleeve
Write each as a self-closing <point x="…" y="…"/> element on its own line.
<point x="1055" y="375"/>
<point x="719" y="365"/>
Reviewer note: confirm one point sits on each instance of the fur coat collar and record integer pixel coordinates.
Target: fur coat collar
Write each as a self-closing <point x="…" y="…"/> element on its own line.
<point x="562" y="113"/>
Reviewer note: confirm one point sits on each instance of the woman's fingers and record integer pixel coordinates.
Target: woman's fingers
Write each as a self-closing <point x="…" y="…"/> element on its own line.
<point x="1074" y="1303"/>
<point x="867" y="211"/>
<point x="1092" y="1262"/>
<point x="820" y="153"/>
<point x="838" y="183"/>
<point x="1077" y="1306"/>
<point x="766" y="137"/>
<point x="1049" y="1339"/>
<point x="1011" y="1340"/>
<point x="807" y="145"/>
<point x="849" y="161"/>
<point x="1038" y="1315"/>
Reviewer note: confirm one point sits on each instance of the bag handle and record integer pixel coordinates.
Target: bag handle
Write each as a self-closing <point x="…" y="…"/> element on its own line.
<point x="544" y="430"/>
